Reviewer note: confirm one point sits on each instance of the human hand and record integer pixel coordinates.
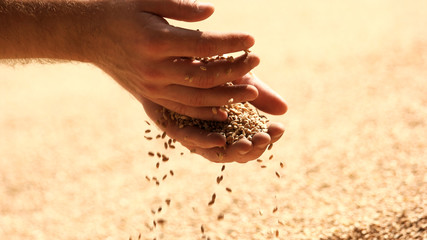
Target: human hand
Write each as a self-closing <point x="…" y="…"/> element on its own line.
<point x="151" y="59"/>
<point x="211" y="145"/>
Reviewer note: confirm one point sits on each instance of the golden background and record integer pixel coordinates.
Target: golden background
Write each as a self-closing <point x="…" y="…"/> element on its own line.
<point x="73" y="157"/>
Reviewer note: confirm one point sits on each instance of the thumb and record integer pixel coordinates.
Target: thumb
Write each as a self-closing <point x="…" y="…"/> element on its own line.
<point x="183" y="10"/>
<point x="268" y="100"/>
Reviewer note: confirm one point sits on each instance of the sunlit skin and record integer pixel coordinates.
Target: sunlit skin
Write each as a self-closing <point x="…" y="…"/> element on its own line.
<point x="212" y="145"/>
<point x="133" y="43"/>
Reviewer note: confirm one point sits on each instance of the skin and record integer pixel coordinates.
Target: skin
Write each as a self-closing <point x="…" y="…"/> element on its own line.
<point x="212" y="145"/>
<point x="132" y="42"/>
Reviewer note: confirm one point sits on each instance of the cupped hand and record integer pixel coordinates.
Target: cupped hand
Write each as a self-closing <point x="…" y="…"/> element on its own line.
<point x="212" y="145"/>
<point x="153" y="59"/>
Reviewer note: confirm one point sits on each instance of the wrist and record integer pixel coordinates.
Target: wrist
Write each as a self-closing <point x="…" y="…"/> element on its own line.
<point x="53" y="29"/>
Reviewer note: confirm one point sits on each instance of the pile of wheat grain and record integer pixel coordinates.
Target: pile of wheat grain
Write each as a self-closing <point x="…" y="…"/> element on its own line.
<point x="243" y="121"/>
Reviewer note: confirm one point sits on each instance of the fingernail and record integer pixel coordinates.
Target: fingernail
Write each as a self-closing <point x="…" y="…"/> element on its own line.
<point x="221" y="115"/>
<point x="252" y="93"/>
<point x="254" y="61"/>
<point x="217" y="138"/>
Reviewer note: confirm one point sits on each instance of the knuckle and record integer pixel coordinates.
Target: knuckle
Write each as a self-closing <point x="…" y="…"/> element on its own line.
<point x="205" y="47"/>
<point x="181" y="109"/>
<point x="152" y="90"/>
<point x="152" y="73"/>
<point x="156" y="43"/>
<point x="180" y="4"/>
<point x="197" y="99"/>
<point x="206" y="80"/>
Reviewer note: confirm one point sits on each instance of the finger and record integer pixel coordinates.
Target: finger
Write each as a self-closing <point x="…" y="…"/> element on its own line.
<point x="204" y="113"/>
<point x="268" y="100"/>
<point x="190" y="43"/>
<point x="186" y="135"/>
<point x="217" y="96"/>
<point x="232" y="153"/>
<point x="210" y="74"/>
<point x="275" y="130"/>
<point x="184" y="10"/>
<point x="260" y="142"/>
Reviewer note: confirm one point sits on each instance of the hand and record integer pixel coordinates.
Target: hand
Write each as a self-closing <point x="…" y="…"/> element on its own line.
<point x="151" y="59"/>
<point x="210" y="145"/>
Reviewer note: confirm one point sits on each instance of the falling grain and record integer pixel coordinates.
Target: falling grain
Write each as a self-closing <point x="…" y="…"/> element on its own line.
<point x="278" y="175"/>
<point x="171" y="172"/>
<point x="163" y="135"/>
<point x="148" y="138"/>
<point x="161" y="221"/>
<point x="275" y="209"/>
<point x="147" y="123"/>
<point x="282" y="165"/>
<point x="228" y="190"/>
<point x="271" y="157"/>
<point x="222" y="168"/>
<point x="202" y="229"/>
<point x="151" y="154"/>
<point x="147" y="131"/>
<point x="212" y="199"/>
<point x="164" y="177"/>
<point x="168" y="201"/>
<point x="157" y="164"/>
<point x="270" y="146"/>
<point x="219" y="179"/>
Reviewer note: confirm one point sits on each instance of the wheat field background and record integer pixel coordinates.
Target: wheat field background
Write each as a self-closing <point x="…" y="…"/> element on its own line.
<point x="73" y="157"/>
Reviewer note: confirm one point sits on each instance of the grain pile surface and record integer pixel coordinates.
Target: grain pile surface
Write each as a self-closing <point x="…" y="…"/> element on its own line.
<point x="74" y="158"/>
<point x="243" y="121"/>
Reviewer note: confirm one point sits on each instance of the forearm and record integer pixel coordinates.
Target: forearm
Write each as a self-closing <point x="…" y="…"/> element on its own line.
<point x="54" y="29"/>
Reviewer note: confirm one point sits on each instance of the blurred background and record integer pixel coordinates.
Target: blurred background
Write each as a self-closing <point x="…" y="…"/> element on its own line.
<point x="73" y="157"/>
